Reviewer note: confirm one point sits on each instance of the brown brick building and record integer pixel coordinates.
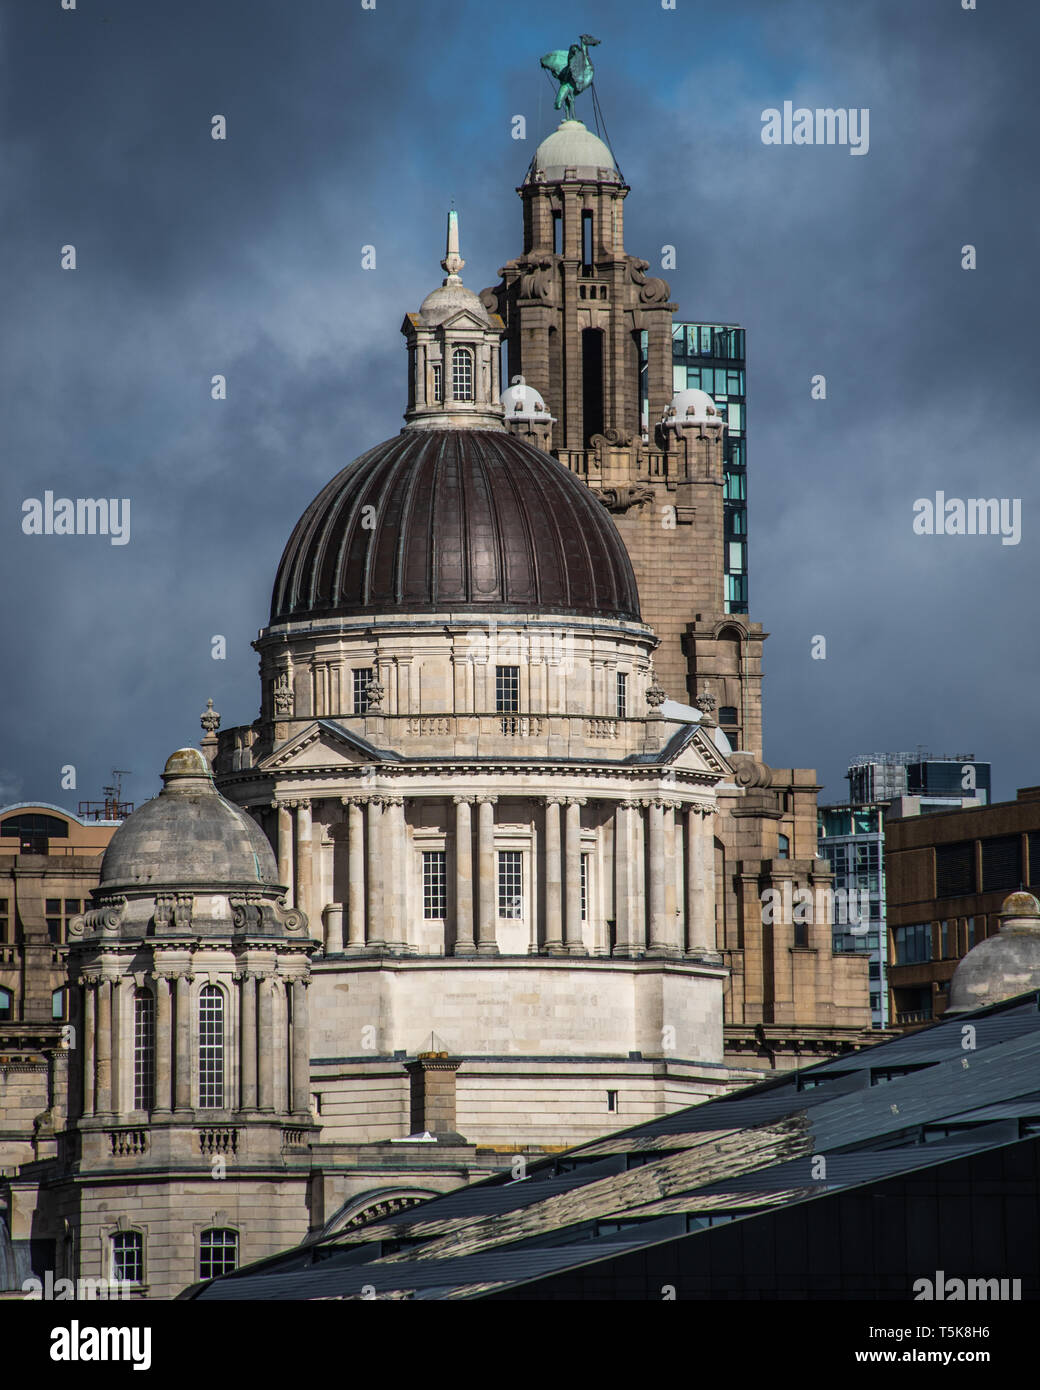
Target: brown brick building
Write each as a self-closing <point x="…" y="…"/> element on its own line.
<point x="947" y="875"/>
<point x="49" y="862"/>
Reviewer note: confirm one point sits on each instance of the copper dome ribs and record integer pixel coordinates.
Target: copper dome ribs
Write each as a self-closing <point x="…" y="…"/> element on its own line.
<point x="470" y="520"/>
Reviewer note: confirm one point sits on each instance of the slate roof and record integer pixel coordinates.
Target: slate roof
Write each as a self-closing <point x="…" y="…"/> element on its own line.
<point x="959" y="1088"/>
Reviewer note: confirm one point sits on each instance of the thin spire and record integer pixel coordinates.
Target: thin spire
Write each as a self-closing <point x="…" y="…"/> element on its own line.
<point x="452" y="261"/>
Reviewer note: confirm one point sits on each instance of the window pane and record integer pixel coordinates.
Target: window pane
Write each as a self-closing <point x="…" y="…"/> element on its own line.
<point x="128" y="1257"/>
<point x="507" y="689"/>
<point x="435" y="896"/>
<point x="362" y="680"/>
<point x="955" y="869"/>
<point x="510" y="883"/>
<point x="218" y="1253"/>
<point x="144" y="1050"/>
<point x="622" y="695"/>
<point x="462" y="374"/>
<point x="211" y="1048"/>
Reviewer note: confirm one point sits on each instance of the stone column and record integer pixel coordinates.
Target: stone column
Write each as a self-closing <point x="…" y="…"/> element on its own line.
<point x="103" y="1048"/>
<point x="116" y="1091"/>
<point x="247" y="1004"/>
<point x="553" y="878"/>
<point x="487" y="897"/>
<point x="163" y="1046"/>
<point x="673" y="926"/>
<point x="374" y="871"/>
<point x="304" y="859"/>
<point x="395" y="870"/>
<point x="301" y="1060"/>
<point x="659" y="938"/>
<point x="575" y="944"/>
<point x="88" y="1025"/>
<point x="355" y="922"/>
<point x="268" y="1043"/>
<point x="464" y="944"/>
<point x="182" y="1030"/>
<point x="285" y="856"/>
<point x="700" y="882"/>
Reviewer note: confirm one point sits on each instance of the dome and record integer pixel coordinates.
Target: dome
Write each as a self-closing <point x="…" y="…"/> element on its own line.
<point x="520" y="401"/>
<point x="455" y="520"/>
<point x="693" y="406"/>
<point x="572" y="146"/>
<point x="188" y="836"/>
<point x="1003" y="965"/>
<point x="450" y="298"/>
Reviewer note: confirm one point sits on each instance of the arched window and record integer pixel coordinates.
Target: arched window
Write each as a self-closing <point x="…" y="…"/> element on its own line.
<point x="144" y="1050"/>
<point x="6" y="1005"/>
<point x="218" y="1253"/>
<point x="211" y="1048"/>
<point x="128" y="1257"/>
<point x="462" y="374"/>
<point x="783" y="847"/>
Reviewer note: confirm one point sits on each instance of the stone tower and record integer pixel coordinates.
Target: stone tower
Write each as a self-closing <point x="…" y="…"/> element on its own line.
<point x="591" y="332"/>
<point x="187" y="1148"/>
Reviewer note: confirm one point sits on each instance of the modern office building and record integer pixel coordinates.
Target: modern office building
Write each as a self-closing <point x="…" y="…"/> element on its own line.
<point x="935" y="782"/>
<point x="712" y="357"/>
<point x="852" y="840"/>
<point x="947" y="874"/>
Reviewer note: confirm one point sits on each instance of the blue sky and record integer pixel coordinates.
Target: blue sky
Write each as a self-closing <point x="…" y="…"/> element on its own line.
<point x="349" y="127"/>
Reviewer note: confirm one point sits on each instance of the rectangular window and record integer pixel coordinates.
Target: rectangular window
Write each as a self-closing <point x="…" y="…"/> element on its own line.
<point x="362" y="680"/>
<point x="736" y="557"/>
<point x="913" y="944"/>
<point x="586" y="238"/>
<point x="54" y="930"/>
<point x="1001" y="864"/>
<point x="72" y="907"/>
<point x="507" y="689"/>
<point x="584" y="887"/>
<point x="438" y="382"/>
<point x="128" y="1257"/>
<point x="144" y="1050"/>
<point x="622" y="695"/>
<point x="969" y="925"/>
<point x="612" y="1101"/>
<point x="955" y="870"/>
<point x="218" y="1253"/>
<point x="53" y="906"/>
<point x="211" y="1049"/>
<point x="510" y="883"/>
<point x="58" y="1004"/>
<point x="944" y="940"/>
<point x="435" y="884"/>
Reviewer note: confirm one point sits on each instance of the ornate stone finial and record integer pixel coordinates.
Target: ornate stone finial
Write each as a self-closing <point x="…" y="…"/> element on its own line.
<point x="452" y="261"/>
<point x="573" y="70"/>
<point x="376" y="693"/>
<point x="655" y="694"/>
<point x="210" y="719"/>
<point x="705" y="703"/>
<point x="283" y="695"/>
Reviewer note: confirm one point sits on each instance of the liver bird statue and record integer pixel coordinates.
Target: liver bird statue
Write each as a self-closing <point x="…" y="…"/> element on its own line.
<point x="573" y="70"/>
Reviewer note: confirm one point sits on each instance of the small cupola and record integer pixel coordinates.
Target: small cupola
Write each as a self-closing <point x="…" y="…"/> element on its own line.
<point x="453" y="353"/>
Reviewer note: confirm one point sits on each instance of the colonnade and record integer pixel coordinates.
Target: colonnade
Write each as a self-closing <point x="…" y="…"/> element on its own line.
<point x="266" y="1061"/>
<point x="663" y="890"/>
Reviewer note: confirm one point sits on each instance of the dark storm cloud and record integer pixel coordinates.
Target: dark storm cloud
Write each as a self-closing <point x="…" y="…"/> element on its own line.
<point x="349" y="127"/>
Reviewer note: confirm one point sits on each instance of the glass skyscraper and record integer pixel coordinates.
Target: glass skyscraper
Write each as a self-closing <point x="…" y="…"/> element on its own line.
<point x="711" y="357"/>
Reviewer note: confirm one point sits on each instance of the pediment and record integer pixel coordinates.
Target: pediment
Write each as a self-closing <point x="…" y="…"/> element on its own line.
<point x="697" y="753"/>
<point x="323" y="744"/>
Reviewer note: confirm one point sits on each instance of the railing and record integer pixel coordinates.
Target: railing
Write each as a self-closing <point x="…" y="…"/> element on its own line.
<point x="128" y="1143"/>
<point x="430" y="727"/>
<point x="293" y="1138"/>
<point x="915" y="1016"/>
<point x="523" y="726"/>
<point x="601" y="728"/>
<point x="218" y="1141"/>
